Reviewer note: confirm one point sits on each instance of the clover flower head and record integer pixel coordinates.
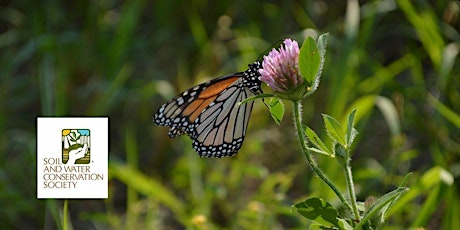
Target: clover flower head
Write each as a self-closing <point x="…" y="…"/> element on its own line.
<point x="280" y="68"/>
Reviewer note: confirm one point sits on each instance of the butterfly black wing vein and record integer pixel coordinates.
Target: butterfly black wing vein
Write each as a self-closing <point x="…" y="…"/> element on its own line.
<point x="209" y="115"/>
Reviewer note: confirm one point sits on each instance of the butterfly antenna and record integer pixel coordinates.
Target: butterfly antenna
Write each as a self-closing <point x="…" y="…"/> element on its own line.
<point x="274" y="45"/>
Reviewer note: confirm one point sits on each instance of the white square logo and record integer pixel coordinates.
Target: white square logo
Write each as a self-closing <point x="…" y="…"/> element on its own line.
<point x="72" y="157"/>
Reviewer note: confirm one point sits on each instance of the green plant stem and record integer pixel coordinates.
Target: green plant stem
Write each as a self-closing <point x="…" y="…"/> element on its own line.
<point x="64" y="215"/>
<point x="351" y="190"/>
<point x="301" y="134"/>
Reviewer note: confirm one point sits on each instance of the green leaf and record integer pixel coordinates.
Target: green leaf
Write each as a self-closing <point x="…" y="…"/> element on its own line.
<point x="342" y="155"/>
<point x="351" y="131"/>
<point x="309" y="60"/>
<point x="316" y="150"/>
<point x="319" y="211"/>
<point x="334" y="129"/>
<point x="381" y="206"/>
<point x="316" y="226"/>
<point x="317" y="142"/>
<point x="276" y="108"/>
<point x="322" y="45"/>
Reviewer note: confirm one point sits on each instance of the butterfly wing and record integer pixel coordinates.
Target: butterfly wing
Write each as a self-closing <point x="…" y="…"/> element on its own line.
<point x="209" y="115"/>
<point x="181" y="112"/>
<point x="221" y="128"/>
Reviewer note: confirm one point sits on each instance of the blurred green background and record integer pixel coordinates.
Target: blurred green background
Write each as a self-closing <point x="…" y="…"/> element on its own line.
<point x="396" y="61"/>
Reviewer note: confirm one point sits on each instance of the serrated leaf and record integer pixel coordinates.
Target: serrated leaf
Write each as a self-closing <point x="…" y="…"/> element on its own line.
<point x="317" y="142"/>
<point x="354" y="133"/>
<point x="309" y="60"/>
<point x="334" y="129"/>
<point x="351" y="132"/>
<point x="319" y="211"/>
<point x="276" y="108"/>
<point x="322" y="45"/>
<point x="342" y="155"/>
<point x="316" y="150"/>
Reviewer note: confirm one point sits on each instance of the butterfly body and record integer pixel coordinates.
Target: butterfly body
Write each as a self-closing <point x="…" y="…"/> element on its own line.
<point x="209" y="114"/>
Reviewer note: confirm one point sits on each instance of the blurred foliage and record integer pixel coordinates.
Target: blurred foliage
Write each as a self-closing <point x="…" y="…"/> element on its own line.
<point x="395" y="61"/>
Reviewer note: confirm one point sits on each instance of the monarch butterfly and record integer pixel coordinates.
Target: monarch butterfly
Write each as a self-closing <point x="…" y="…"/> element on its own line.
<point x="209" y="115"/>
